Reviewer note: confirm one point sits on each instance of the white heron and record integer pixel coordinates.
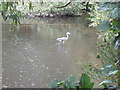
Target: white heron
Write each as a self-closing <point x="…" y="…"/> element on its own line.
<point x="63" y="39"/>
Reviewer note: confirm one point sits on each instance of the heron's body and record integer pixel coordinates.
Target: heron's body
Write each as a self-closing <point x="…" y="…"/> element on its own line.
<point x="63" y="39"/>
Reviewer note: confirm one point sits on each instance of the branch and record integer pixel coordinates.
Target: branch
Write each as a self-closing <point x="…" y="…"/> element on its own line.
<point x="87" y="9"/>
<point x="64" y="5"/>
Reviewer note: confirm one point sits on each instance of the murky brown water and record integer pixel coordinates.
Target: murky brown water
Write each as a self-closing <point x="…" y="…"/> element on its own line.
<point x="31" y="58"/>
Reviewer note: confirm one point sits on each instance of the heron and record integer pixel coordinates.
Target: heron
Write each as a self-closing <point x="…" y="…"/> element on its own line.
<point x="63" y="39"/>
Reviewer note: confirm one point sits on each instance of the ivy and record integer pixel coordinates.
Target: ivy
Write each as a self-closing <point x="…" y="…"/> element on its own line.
<point x="70" y="82"/>
<point x="106" y="18"/>
<point x="85" y="81"/>
<point x="104" y="26"/>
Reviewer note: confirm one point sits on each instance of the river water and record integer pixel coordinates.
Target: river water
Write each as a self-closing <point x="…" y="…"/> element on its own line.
<point x="32" y="57"/>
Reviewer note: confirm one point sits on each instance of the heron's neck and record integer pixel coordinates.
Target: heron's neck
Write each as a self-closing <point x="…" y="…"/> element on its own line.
<point x="67" y="36"/>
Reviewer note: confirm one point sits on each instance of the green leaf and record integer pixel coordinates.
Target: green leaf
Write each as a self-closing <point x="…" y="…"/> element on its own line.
<point x="53" y="84"/>
<point x="90" y="69"/>
<point x="58" y="80"/>
<point x="32" y="60"/>
<point x="111" y="6"/>
<point x="60" y="83"/>
<point x="2" y="12"/>
<point x="104" y="26"/>
<point x="85" y="81"/>
<point x="18" y="22"/>
<point x="30" y="6"/>
<point x="98" y="56"/>
<point x="90" y="85"/>
<point x="74" y="84"/>
<point x="115" y="13"/>
<point x="108" y="66"/>
<point x="78" y="61"/>
<point x="22" y="3"/>
<point x="66" y="83"/>
<point x="7" y="5"/>
<point x="106" y="82"/>
<point x="88" y="18"/>
<point x="113" y="72"/>
<point x="11" y="3"/>
<point x="117" y="23"/>
<point x="72" y="78"/>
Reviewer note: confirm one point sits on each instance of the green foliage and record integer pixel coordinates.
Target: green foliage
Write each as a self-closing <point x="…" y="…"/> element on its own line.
<point x="105" y="17"/>
<point x="68" y="83"/>
<point x="9" y="11"/>
<point x="78" y="61"/>
<point x="30" y="6"/>
<point x="16" y="10"/>
<point x="116" y="23"/>
<point x="71" y="83"/>
<point x="110" y="58"/>
<point x="98" y="56"/>
<point x="104" y="26"/>
<point x="107" y="76"/>
<point x="109" y="73"/>
<point x="85" y="81"/>
<point x="106" y="82"/>
<point x="49" y="8"/>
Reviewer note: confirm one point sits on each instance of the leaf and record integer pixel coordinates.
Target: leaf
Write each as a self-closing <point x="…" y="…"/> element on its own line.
<point x="2" y="12"/>
<point x="108" y="66"/>
<point x="88" y="18"/>
<point x="104" y="26"/>
<point x="70" y="82"/>
<point x="113" y="72"/>
<point x="17" y="37"/>
<point x="85" y="81"/>
<point x="60" y="83"/>
<point x="72" y="78"/>
<point x="106" y="82"/>
<point x="98" y="56"/>
<point x="66" y="83"/>
<point x="90" y="85"/>
<point x="22" y="3"/>
<point x="117" y="23"/>
<point x="117" y="62"/>
<point x="18" y="22"/>
<point x="74" y="84"/>
<point x="78" y="61"/>
<point x="90" y="69"/>
<point x="111" y="6"/>
<point x="53" y="84"/>
<point x="58" y="80"/>
<point x="31" y="60"/>
<point x="115" y="13"/>
<point x="30" y="5"/>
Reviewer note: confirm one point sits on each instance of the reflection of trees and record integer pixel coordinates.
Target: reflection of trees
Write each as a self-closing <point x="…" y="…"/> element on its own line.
<point x="23" y="32"/>
<point x="57" y="28"/>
